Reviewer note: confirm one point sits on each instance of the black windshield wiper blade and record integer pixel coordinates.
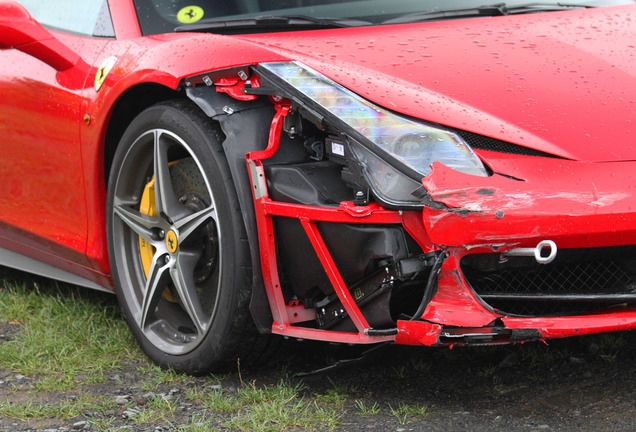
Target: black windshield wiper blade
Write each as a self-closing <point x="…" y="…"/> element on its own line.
<point x="498" y="9"/>
<point x="271" y="22"/>
<point x="545" y="7"/>
<point x="494" y="10"/>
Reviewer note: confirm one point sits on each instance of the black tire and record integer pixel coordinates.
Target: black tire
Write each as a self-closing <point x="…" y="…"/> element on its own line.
<point x="188" y="307"/>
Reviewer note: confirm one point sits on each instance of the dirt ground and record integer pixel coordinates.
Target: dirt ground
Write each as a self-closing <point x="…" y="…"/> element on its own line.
<point x="569" y="385"/>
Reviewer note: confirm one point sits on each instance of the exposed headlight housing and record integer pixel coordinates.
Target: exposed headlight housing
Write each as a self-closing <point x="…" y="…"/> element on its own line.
<point x="396" y="151"/>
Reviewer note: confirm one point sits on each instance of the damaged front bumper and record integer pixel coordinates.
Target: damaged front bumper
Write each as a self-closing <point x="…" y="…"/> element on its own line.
<point x="585" y="210"/>
<point x="485" y="294"/>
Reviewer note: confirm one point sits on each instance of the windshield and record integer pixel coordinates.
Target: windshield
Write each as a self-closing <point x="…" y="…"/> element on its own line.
<point x="164" y="16"/>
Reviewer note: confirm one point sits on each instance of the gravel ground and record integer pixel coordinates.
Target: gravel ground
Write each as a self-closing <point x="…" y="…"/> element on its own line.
<point x="568" y="385"/>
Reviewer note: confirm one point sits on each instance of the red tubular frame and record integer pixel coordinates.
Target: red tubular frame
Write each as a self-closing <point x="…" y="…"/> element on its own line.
<point x="285" y="315"/>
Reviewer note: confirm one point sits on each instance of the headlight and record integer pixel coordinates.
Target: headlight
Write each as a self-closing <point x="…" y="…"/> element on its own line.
<point x="410" y="146"/>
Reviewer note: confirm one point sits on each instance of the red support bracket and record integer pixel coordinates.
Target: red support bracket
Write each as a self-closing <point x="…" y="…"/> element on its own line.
<point x="286" y="315"/>
<point x="334" y="275"/>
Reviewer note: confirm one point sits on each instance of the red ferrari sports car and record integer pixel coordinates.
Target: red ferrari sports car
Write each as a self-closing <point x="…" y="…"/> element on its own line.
<point x="355" y="171"/>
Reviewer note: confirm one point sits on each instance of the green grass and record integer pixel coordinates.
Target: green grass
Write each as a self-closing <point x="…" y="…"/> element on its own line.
<point x="365" y="409"/>
<point x="158" y="410"/>
<point x="157" y="376"/>
<point x="67" y="337"/>
<point x="406" y="412"/>
<point x="72" y="340"/>
<point x="268" y="408"/>
<point x="337" y="395"/>
<point x="66" y="409"/>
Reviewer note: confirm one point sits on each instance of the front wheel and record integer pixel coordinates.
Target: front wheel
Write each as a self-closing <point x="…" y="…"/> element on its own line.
<point x="177" y="246"/>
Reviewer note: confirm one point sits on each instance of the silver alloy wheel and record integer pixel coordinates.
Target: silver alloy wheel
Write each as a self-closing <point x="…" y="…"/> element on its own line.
<point x="174" y="301"/>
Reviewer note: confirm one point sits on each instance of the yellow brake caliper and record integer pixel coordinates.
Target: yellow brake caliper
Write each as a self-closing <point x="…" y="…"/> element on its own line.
<point x="147" y="207"/>
<point x="146" y="250"/>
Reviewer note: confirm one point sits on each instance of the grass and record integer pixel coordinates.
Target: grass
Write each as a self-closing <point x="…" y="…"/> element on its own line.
<point x="68" y="337"/>
<point x="157" y="410"/>
<point x="72" y="343"/>
<point x="337" y="395"/>
<point x="405" y="412"/>
<point x="268" y="408"/>
<point x="66" y="409"/>
<point x="366" y="409"/>
<point x="73" y="340"/>
<point x="157" y="377"/>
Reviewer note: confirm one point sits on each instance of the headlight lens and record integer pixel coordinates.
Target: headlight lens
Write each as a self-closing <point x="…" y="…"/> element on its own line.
<point x="415" y="145"/>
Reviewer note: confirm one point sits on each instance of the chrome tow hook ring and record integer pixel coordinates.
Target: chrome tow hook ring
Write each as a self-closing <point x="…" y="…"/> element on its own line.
<point x="536" y="252"/>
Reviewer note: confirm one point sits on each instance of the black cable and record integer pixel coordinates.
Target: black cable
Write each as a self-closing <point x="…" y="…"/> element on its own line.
<point x="432" y="278"/>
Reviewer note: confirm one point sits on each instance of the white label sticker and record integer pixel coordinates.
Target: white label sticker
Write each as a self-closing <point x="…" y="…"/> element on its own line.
<point x="337" y="149"/>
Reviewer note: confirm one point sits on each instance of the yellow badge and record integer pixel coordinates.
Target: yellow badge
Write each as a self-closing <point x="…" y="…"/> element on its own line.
<point x="103" y="71"/>
<point x="171" y="241"/>
<point x="190" y="14"/>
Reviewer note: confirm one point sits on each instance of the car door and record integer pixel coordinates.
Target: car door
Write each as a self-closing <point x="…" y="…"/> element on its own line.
<point x="42" y="198"/>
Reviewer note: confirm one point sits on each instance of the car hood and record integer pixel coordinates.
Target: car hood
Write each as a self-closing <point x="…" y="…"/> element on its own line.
<point x="558" y="82"/>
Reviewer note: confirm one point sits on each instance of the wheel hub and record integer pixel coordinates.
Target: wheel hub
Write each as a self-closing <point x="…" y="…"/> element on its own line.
<point x="171" y="241"/>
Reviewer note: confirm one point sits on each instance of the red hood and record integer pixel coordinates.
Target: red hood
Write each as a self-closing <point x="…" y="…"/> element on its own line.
<point x="560" y="82"/>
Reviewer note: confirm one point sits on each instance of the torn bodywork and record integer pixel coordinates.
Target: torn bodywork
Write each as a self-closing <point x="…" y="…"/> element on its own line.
<point x="536" y="246"/>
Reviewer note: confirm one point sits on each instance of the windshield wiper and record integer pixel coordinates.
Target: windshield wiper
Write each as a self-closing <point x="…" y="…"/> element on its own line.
<point x="270" y="22"/>
<point x="498" y="9"/>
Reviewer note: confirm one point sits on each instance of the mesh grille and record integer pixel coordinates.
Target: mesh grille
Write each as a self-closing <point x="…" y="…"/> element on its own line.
<point x="564" y="288"/>
<point x="486" y="143"/>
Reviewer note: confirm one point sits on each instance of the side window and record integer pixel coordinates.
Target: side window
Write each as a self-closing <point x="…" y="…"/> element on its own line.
<point x="83" y="17"/>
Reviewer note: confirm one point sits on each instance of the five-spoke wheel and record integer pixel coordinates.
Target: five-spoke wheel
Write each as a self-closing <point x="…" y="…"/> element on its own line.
<point x="176" y="240"/>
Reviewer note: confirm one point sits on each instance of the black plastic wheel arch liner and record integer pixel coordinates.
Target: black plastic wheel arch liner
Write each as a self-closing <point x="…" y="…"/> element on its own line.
<point x="234" y="116"/>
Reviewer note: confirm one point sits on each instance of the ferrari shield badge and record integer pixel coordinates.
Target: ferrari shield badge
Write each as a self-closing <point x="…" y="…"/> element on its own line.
<point x="190" y="14"/>
<point x="103" y="71"/>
